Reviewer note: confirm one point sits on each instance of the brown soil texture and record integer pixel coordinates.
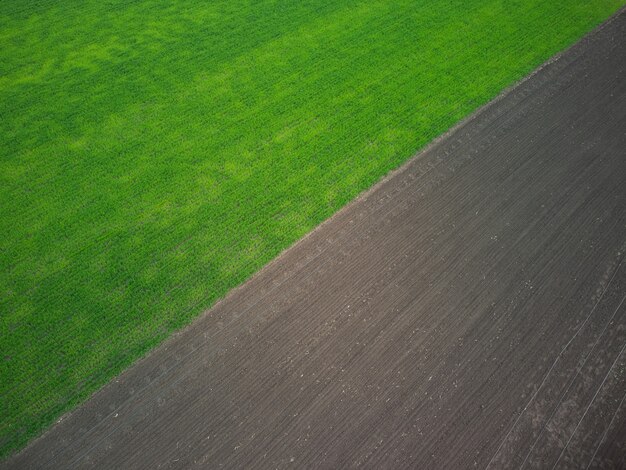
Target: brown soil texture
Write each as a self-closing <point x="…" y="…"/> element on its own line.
<point x="468" y="311"/>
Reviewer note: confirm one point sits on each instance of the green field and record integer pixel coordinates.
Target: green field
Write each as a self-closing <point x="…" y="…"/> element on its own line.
<point x="155" y="154"/>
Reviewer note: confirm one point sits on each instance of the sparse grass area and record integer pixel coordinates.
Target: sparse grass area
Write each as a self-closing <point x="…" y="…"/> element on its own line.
<point x="155" y="154"/>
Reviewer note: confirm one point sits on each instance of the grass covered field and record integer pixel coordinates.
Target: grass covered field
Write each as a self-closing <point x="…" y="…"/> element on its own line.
<point x="156" y="154"/>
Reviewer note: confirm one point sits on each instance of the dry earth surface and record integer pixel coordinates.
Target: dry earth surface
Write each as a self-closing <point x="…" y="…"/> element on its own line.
<point x="468" y="311"/>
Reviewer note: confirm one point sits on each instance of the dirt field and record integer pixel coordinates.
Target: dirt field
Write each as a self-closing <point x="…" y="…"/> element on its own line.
<point x="469" y="311"/>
